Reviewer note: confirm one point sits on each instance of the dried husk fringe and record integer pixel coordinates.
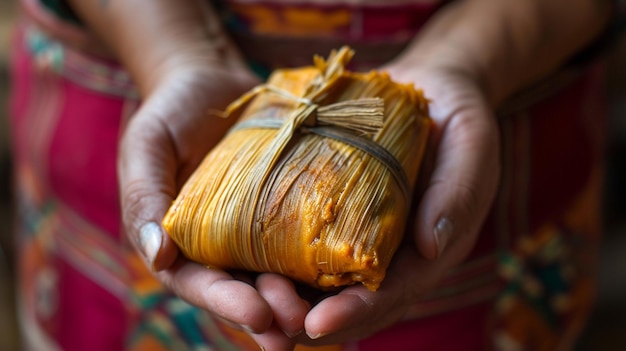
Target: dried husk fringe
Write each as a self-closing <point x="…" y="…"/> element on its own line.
<point x="313" y="208"/>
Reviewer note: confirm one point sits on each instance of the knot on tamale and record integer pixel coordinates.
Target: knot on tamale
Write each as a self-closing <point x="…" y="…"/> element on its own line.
<point x="364" y="116"/>
<point x="346" y="120"/>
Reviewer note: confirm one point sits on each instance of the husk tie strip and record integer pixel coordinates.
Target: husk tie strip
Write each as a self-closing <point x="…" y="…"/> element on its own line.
<point x="342" y="119"/>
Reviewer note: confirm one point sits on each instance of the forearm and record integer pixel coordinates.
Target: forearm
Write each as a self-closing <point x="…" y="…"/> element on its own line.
<point x="152" y="37"/>
<point x="507" y="45"/>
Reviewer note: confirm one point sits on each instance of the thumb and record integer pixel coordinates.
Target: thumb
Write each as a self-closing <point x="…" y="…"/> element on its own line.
<point x="462" y="186"/>
<point x="147" y="187"/>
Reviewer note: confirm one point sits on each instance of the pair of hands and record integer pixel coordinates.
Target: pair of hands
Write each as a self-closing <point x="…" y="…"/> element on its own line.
<point x="470" y="56"/>
<point x="168" y="137"/>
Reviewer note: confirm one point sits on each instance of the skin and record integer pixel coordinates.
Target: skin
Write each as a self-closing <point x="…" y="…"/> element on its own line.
<point x="472" y="56"/>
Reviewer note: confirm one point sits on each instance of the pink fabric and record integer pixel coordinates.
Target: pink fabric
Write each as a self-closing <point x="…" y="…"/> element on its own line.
<point x="69" y="134"/>
<point x="69" y="33"/>
<point x="464" y="329"/>
<point x="89" y="318"/>
<point x="83" y="154"/>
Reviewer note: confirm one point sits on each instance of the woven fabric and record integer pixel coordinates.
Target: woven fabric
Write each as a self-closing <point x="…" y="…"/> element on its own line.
<point x="528" y="283"/>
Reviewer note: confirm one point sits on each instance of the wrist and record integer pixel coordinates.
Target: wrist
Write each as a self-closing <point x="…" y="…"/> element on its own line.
<point x="194" y="61"/>
<point x="504" y="47"/>
<point x="440" y="71"/>
<point x="188" y="50"/>
<point x="160" y="38"/>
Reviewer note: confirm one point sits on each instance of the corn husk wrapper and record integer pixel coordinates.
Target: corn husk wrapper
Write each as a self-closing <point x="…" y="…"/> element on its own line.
<point x="313" y="183"/>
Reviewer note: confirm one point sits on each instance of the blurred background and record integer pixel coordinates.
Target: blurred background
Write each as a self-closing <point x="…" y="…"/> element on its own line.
<point x="8" y="328"/>
<point x="607" y="328"/>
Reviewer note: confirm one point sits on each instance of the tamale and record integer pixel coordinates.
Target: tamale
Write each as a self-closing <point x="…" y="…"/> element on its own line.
<point x="314" y="181"/>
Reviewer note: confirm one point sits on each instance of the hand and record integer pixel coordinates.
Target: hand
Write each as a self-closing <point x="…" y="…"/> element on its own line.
<point x="183" y="65"/>
<point x="161" y="145"/>
<point x="461" y="182"/>
<point x="466" y="65"/>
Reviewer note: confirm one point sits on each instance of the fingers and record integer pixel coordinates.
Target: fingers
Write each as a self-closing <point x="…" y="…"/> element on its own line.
<point x="462" y="186"/>
<point x="335" y="313"/>
<point x="273" y="339"/>
<point x="288" y="308"/>
<point x="217" y="292"/>
<point x="356" y="312"/>
<point x="353" y="313"/>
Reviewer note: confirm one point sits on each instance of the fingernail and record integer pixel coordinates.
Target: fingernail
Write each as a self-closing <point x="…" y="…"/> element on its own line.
<point x="248" y="329"/>
<point x="150" y="239"/>
<point x="292" y="334"/>
<point x="315" y="336"/>
<point x="443" y="232"/>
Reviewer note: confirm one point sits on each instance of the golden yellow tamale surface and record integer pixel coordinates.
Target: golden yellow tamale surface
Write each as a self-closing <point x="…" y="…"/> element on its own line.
<point x="311" y="183"/>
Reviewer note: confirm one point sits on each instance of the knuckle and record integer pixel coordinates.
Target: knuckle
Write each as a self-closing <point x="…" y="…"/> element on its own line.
<point x="468" y="200"/>
<point x="133" y="199"/>
<point x="141" y="203"/>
